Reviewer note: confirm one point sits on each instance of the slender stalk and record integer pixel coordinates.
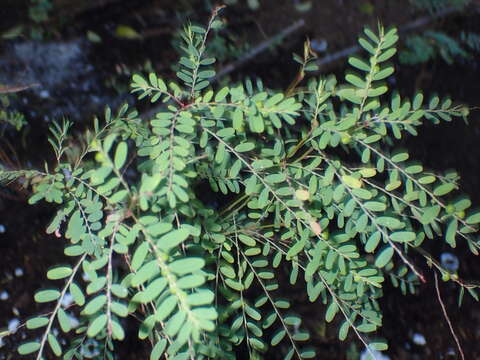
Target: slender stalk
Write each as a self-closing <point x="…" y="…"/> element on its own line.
<point x="447" y="318"/>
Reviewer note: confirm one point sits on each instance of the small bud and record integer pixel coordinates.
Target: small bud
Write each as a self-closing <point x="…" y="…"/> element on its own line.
<point x="302" y="195"/>
<point x="450" y="209"/>
<point x="315" y="226"/>
<point x="346" y="139"/>
<point x="465" y="111"/>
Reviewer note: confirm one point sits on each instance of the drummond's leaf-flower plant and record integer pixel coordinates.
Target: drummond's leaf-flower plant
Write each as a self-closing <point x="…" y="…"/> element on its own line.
<point x="312" y="192"/>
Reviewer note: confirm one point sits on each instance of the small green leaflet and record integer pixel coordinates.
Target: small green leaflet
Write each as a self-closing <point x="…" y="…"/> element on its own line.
<point x="473" y="219"/>
<point x="238" y="120"/>
<point x="351" y="182"/>
<point x="389" y="222"/>
<point x="191" y="281"/>
<point x="120" y="155"/>
<point x="97" y="325"/>
<point x="359" y="63"/>
<point x="384" y="257"/>
<point x="451" y="232"/>
<point x="187" y="265"/>
<point x="64" y="320"/>
<point x="54" y="344"/>
<point x="248" y="146"/>
<point x="159" y="228"/>
<point x="295" y="249"/>
<point x="379" y="345"/>
<point x="95" y="305"/>
<point x="362" y="194"/>
<point x="375" y="206"/>
<point x="166" y="308"/>
<point x="28" y="348"/>
<point x="153" y="290"/>
<point x="146" y="272"/>
<point x="37" y="322"/>
<point x="443" y="189"/>
<point x="117" y="331"/>
<point x="43" y="296"/>
<point x="247" y="240"/>
<point x="158" y="349"/>
<point x="119" y="308"/>
<point x="59" y="272"/>
<point x="222" y="94"/>
<point x="139" y="256"/>
<point x="399" y="156"/>
<point x="403" y="236"/>
<point x="356" y="80"/>
<point x="77" y="294"/>
<point x="331" y="311"/>
<point x="278" y="337"/>
<point x="430" y="214"/>
<point x="173" y="239"/>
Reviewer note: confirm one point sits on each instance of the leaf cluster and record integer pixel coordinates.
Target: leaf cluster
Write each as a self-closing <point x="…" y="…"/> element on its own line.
<point x="312" y="187"/>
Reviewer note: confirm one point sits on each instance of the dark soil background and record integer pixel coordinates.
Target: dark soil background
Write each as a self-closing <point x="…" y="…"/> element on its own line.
<point x="96" y="74"/>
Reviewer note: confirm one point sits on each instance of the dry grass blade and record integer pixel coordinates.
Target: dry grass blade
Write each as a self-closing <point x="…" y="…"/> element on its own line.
<point x="447" y="318"/>
<point x="8" y="89"/>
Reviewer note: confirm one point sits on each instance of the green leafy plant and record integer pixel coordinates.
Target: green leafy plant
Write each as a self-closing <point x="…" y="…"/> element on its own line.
<point x="226" y="45"/>
<point x="471" y="40"/>
<point x="432" y="44"/>
<point x="10" y="117"/>
<point x="39" y="12"/>
<point x="428" y="45"/>
<point x="230" y="195"/>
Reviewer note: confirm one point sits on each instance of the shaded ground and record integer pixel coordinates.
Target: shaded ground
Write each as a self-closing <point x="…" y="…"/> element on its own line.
<point x="24" y="246"/>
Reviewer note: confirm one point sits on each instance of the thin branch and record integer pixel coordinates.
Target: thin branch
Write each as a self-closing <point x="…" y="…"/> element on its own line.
<point x="375" y="223"/>
<point x="272" y="302"/>
<point x="203" y="48"/>
<point x="57" y="308"/>
<point x="445" y="314"/>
